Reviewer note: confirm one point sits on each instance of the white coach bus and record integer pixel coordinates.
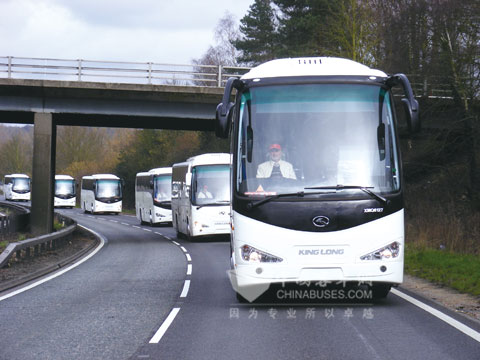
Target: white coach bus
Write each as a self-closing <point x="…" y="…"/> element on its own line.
<point x="65" y="193"/>
<point x="17" y="187"/>
<point x="153" y="195"/>
<point x="333" y="210"/>
<point x="201" y="195"/>
<point x="101" y="193"/>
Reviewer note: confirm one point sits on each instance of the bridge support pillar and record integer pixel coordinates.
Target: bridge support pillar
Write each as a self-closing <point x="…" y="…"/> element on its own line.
<point x="43" y="174"/>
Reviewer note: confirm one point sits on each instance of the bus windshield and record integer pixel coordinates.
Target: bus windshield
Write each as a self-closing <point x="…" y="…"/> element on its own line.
<point x="21" y="184"/>
<point x="64" y="187"/>
<point x="297" y="138"/>
<point x="163" y="188"/>
<point x="107" y="188"/>
<point x="211" y="185"/>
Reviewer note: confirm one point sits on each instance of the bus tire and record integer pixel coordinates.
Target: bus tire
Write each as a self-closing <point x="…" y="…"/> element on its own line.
<point x="176" y="229"/>
<point x="189" y="233"/>
<point x="381" y="290"/>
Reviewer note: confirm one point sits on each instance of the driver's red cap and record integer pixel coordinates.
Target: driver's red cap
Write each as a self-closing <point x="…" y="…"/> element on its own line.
<point x="275" y="146"/>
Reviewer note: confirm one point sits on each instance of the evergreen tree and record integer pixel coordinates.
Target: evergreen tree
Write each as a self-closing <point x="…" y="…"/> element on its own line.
<point x="302" y="27"/>
<point x="259" y="42"/>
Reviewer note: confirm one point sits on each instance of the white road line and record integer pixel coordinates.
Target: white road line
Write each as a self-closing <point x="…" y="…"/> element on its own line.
<point x="164" y="327"/>
<point x="166" y="237"/>
<point x="176" y="243"/>
<point x="183" y="249"/>
<point x="189" y="269"/>
<point x="114" y="221"/>
<point x="16" y="292"/>
<point x="189" y="258"/>
<point x="125" y="224"/>
<point x="449" y="320"/>
<point x="147" y="230"/>
<point x="186" y="287"/>
<point x="136" y="227"/>
<point x="156" y="232"/>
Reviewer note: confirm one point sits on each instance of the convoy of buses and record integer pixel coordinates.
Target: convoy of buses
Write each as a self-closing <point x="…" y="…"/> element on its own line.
<point x="196" y="201"/>
<point x="312" y="190"/>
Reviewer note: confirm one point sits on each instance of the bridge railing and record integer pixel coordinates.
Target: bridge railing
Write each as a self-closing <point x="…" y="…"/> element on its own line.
<point x="160" y="74"/>
<point x="116" y="71"/>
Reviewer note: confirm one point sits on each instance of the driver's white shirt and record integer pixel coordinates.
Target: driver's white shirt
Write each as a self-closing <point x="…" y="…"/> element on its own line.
<point x="265" y="169"/>
<point x="202" y="195"/>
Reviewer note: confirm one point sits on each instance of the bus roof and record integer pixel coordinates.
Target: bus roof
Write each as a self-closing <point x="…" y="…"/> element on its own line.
<point x="63" y="177"/>
<point x="18" y="176"/>
<point x="161" y="171"/>
<point x="156" y="171"/>
<point x="311" y="66"/>
<point x="207" y="159"/>
<point x="102" y="176"/>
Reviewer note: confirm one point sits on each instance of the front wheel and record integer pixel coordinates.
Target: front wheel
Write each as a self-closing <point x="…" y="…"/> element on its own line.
<point x="380" y="291"/>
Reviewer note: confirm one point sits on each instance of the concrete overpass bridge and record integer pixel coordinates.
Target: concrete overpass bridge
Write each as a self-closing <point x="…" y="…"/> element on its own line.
<point x="51" y="92"/>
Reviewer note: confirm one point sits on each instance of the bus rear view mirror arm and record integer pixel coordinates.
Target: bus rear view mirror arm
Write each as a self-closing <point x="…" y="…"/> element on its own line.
<point x="409" y="102"/>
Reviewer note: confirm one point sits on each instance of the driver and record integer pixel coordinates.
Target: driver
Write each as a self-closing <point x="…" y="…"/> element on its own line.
<point x="276" y="167"/>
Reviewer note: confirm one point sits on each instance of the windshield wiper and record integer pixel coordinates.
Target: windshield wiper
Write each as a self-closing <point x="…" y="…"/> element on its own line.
<point x="270" y="198"/>
<point x="222" y="202"/>
<point x="365" y="189"/>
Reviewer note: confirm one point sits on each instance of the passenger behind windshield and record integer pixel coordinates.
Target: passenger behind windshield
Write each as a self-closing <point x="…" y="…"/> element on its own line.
<point x="275" y="167"/>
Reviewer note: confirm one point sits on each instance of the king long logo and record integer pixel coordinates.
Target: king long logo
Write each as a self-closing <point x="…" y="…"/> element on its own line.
<point x="320" y="221"/>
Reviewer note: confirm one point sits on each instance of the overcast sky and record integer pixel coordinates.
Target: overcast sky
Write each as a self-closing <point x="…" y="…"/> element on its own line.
<point x="161" y="31"/>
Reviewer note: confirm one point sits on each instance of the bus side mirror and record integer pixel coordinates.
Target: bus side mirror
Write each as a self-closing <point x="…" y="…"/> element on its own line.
<point x="225" y="109"/>
<point x="411" y="114"/>
<point x="222" y="122"/>
<point x="122" y="182"/>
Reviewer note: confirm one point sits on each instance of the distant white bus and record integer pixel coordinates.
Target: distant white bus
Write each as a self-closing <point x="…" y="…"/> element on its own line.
<point x="153" y="195"/>
<point x="17" y="187"/>
<point x="201" y="195"/>
<point x="65" y="193"/>
<point x="101" y="193"/>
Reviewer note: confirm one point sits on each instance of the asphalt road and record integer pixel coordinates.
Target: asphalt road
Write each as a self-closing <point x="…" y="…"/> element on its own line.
<point x="117" y="305"/>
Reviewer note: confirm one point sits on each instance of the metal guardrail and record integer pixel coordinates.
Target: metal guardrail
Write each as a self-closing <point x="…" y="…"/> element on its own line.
<point x="18" y="222"/>
<point x="117" y="71"/>
<point x="37" y="244"/>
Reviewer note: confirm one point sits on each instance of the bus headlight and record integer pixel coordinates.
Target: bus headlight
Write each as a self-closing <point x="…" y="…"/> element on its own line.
<point x="390" y="251"/>
<point x="249" y="253"/>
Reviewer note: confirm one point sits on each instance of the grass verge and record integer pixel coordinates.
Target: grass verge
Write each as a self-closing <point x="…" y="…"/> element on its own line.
<point x="457" y="271"/>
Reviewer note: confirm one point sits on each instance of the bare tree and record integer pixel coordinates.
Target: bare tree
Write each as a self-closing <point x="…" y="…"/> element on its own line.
<point x="222" y="53"/>
<point x="353" y="28"/>
<point x="16" y="154"/>
<point x="457" y="30"/>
